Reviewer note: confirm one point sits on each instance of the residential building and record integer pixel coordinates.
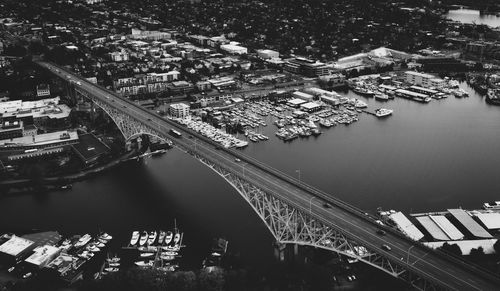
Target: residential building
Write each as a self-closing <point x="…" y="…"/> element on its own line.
<point x="120" y="56"/>
<point x="179" y="110"/>
<point x="42" y="90"/>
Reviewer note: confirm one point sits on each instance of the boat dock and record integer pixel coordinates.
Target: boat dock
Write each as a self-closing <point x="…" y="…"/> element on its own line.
<point x="369" y="112"/>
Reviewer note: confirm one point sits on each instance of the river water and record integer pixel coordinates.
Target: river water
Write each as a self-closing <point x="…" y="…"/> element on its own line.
<point x="473" y="16"/>
<point x="425" y="157"/>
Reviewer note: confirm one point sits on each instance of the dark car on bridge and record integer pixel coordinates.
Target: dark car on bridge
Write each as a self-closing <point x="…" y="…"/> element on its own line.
<point x="381" y="231"/>
<point x="327" y="205"/>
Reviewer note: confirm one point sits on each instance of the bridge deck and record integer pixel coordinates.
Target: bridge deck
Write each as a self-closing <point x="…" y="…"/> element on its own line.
<point x="448" y="273"/>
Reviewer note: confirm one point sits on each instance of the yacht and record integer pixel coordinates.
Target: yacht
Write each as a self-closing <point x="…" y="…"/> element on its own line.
<point x="83" y="240"/>
<point x="144" y="238"/>
<point x="360" y="104"/>
<point x="152" y="237"/>
<point x="105" y="236"/>
<point x="177" y="238"/>
<point x="489" y="206"/>
<point x="161" y="237"/>
<point x="363" y="91"/>
<point x="135" y="238"/>
<point x="168" y="237"/>
<point x="144" y="264"/>
<point x="383" y="112"/>
<point x="381" y="96"/>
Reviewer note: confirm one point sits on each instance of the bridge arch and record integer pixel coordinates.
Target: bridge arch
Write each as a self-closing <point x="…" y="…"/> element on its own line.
<point x="287" y="223"/>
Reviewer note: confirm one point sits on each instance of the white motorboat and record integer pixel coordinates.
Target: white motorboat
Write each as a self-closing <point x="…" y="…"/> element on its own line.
<point x="383" y="112"/>
<point x="144" y="238"/>
<point x="135" y="238"/>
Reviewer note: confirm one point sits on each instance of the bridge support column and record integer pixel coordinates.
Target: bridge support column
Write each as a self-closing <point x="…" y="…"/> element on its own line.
<point x="279" y="251"/>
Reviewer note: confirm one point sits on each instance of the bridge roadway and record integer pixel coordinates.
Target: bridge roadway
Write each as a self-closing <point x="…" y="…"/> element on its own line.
<point x="356" y="225"/>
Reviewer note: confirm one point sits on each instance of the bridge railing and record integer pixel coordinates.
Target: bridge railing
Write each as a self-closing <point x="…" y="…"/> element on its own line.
<point x="299" y="184"/>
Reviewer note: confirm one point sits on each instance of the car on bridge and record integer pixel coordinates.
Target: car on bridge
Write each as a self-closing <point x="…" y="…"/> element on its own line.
<point x="327" y="205"/>
<point x="237" y="160"/>
<point x="386" y="247"/>
<point x="381" y="231"/>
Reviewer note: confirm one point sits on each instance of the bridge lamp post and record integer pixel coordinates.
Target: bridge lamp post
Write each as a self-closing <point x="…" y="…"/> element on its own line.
<point x="298" y="171"/>
<point x="408" y="254"/>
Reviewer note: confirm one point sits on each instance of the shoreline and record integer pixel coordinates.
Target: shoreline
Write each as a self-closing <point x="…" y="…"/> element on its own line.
<point x="19" y="186"/>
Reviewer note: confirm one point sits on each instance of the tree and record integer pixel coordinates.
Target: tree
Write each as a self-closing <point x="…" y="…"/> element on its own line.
<point x="496" y="246"/>
<point x="211" y="279"/>
<point x="477" y="254"/>
<point x="453" y="249"/>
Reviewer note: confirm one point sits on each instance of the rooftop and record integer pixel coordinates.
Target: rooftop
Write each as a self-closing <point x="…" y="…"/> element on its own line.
<point x="15" y="245"/>
<point x="472" y="226"/>
<point x="42" y="139"/>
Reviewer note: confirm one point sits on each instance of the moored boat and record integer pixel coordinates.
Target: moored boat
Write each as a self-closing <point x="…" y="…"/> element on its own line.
<point x="144" y="238"/>
<point x="152" y="237"/>
<point x="383" y="112"/>
<point x="168" y="237"/>
<point x="135" y="238"/>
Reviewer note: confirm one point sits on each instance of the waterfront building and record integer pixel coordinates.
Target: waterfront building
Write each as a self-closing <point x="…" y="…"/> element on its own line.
<point x="37" y="145"/>
<point x="462" y="218"/>
<point x="179" y="110"/>
<point x="15" y="249"/>
<point x="43" y="255"/>
<point x="296" y="102"/>
<point x="89" y="149"/>
<point x="424" y="80"/>
<point x="303" y="96"/>
<point x="406" y="226"/>
<point x="310" y="107"/>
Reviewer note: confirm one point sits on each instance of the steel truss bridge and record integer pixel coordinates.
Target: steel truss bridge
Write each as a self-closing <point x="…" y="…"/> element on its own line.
<point x="294" y="212"/>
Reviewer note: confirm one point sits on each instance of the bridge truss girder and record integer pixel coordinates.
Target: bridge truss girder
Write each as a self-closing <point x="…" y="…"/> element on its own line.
<point x="289" y="224"/>
<point x="128" y="126"/>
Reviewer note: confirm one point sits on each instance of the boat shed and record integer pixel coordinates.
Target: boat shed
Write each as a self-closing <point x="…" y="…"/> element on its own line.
<point x="422" y="90"/>
<point x="432" y="228"/>
<point x="15" y="249"/>
<point x="470" y="224"/>
<point x="43" y="255"/>
<point x="411" y="94"/>
<point x="296" y="102"/>
<point x="491" y="220"/>
<point x="406" y="226"/>
<point x="310" y="107"/>
<point x="303" y="96"/>
<point x="447" y="227"/>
